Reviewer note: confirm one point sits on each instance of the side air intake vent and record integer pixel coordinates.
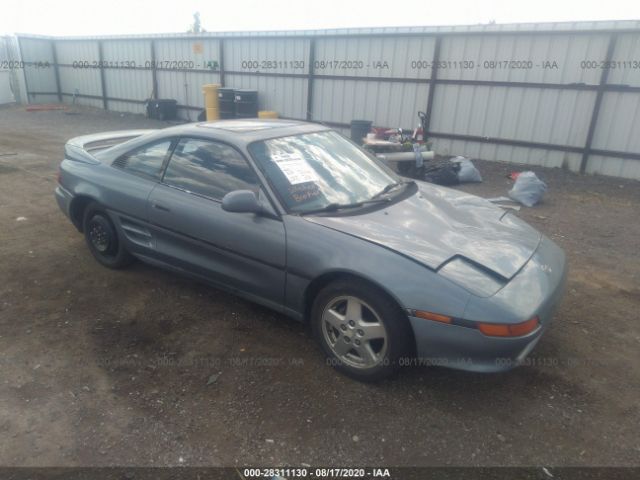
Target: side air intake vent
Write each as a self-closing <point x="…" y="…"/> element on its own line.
<point x="120" y="162"/>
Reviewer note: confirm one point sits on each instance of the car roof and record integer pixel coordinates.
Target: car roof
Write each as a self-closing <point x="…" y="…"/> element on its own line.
<point x="248" y="130"/>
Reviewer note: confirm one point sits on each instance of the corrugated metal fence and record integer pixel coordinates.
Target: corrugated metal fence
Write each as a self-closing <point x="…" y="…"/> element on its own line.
<point x="9" y="71"/>
<point x="545" y="94"/>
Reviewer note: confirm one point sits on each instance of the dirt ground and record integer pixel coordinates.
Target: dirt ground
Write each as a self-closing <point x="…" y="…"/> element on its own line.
<point x="140" y="367"/>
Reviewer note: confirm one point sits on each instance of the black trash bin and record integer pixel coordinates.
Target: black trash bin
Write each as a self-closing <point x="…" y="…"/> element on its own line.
<point x="246" y="103"/>
<point x="162" y="109"/>
<point x="226" y="100"/>
<point x="359" y="130"/>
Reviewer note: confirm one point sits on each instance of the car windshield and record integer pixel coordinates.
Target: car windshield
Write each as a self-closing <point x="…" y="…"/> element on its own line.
<point x="317" y="171"/>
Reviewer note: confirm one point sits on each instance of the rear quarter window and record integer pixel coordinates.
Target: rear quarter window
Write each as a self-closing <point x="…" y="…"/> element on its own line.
<point x="146" y="161"/>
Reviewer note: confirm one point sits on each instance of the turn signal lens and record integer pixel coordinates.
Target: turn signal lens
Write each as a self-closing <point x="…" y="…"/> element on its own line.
<point x="523" y="328"/>
<point x="436" y="317"/>
<point x="494" y="330"/>
<point x="501" y="330"/>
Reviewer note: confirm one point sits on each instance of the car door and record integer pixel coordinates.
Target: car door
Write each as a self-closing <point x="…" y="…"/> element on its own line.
<point x="133" y="176"/>
<point x="241" y="251"/>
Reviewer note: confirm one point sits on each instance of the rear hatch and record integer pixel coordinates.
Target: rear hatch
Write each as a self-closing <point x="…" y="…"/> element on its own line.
<point x="87" y="147"/>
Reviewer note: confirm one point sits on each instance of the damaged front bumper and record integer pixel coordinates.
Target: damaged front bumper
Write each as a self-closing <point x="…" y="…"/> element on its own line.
<point x="534" y="292"/>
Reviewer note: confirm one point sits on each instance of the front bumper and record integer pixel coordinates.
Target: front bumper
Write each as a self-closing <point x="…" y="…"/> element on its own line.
<point x="535" y="291"/>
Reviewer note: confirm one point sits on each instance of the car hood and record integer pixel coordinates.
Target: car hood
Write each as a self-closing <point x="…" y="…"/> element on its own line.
<point x="436" y="224"/>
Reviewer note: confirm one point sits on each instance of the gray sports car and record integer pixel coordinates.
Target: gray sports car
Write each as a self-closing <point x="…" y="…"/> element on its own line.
<point x="292" y="215"/>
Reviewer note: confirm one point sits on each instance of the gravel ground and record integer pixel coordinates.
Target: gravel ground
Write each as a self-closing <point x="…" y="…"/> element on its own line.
<point x="140" y="367"/>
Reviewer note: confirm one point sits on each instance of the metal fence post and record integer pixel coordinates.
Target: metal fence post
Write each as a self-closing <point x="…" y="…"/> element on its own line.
<point x="221" y="61"/>
<point x="311" y="71"/>
<point x="24" y="71"/>
<point x="596" y="106"/>
<point x="154" y="72"/>
<point x="433" y="78"/>
<point x="56" y="72"/>
<point x="102" y="79"/>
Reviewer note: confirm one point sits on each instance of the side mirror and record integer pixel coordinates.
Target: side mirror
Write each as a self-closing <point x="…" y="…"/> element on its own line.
<point x="241" y="201"/>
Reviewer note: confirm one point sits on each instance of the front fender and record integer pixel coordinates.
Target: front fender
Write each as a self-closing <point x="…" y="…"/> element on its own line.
<point x="314" y="250"/>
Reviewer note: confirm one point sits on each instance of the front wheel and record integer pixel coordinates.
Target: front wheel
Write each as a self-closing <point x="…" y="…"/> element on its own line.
<point x="102" y="238"/>
<point x="361" y="330"/>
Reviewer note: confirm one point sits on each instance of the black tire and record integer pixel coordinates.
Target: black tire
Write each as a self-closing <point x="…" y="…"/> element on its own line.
<point x="396" y="326"/>
<point x="102" y="238"/>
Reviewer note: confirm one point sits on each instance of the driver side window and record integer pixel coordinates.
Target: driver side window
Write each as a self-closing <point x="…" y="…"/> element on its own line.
<point x="209" y="168"/>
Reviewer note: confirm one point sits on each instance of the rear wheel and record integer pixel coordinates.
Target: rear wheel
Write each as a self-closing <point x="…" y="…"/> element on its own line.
<point x="102" y="238"/>
<point x="361" y="330"/>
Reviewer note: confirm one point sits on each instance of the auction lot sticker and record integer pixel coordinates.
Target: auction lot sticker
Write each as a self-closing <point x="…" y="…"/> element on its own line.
<point x="295" y="168"/>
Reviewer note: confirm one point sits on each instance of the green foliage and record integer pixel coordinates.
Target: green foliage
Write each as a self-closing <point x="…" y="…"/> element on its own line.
<point x="196" y="27"/>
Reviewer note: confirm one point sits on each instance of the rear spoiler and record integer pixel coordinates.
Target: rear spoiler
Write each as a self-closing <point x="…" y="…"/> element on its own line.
<point x="81" y="148"/>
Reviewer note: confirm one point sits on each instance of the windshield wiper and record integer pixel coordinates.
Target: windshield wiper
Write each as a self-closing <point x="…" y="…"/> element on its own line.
<point x="334" y="207"/>
<point x="390" y="187"/>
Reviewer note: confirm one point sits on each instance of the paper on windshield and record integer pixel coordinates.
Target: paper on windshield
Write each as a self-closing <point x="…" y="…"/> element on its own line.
<point x="295" y="168"/>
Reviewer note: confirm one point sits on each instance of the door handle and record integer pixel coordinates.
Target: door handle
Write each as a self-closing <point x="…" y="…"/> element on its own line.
<point x="160" y="207"/>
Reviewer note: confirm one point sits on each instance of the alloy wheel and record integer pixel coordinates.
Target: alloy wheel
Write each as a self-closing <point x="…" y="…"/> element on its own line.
<point x="354" y="332"/>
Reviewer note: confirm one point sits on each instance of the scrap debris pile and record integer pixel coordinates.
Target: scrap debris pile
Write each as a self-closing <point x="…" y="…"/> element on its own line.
<point x="411" y="155"/>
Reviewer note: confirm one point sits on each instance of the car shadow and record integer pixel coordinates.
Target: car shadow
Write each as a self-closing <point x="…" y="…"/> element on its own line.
<point x="194" y="317"/>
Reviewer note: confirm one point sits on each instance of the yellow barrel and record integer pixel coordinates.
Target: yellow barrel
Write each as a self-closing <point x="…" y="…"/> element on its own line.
<point x="213" y="114"/>
<point x="267" y="114"/>
<point x="210" y="92"/>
